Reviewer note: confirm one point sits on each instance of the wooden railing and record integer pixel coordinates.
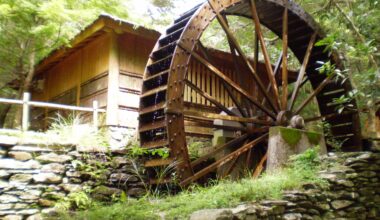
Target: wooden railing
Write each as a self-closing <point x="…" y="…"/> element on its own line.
<point x="27" y="103"/>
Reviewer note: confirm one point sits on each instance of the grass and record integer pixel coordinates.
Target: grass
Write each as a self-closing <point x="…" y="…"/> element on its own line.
<point x="302" y="169"/>
<point x="70" y="130"/>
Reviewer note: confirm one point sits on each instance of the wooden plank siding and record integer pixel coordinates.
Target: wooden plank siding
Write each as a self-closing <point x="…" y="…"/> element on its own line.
<point x="133" y="56"/>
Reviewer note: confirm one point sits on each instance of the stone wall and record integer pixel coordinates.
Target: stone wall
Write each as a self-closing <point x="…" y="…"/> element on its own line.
<point x="353" y="193"/>
<point x="33" y="177"/>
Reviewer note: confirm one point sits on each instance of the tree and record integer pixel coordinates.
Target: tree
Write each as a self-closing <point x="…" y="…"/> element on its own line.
<point x="30" y="29"/>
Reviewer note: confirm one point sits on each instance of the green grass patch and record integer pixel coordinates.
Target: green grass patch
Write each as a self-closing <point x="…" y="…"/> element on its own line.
<point x="302" y="169"/>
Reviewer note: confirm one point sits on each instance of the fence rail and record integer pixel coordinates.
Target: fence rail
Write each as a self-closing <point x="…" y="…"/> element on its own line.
<point x="27" y="103"/>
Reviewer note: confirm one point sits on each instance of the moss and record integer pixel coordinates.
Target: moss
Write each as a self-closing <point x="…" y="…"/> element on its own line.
<point x="313" y="137"/>
<point x="291" y="136"/>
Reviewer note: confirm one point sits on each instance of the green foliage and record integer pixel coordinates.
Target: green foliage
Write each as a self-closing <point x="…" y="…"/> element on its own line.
<point x="303" y="168"/>
<point x="77" y="200"/>
<point x="137" y="151"/>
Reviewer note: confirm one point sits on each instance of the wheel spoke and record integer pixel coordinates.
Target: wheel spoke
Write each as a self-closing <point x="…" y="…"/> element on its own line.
<point x="224" y="160"/>
<point x="210" y="98"/>
<point x="228" y="89"/>
<point x="222" y="76"/>
<point x="219" y="148"/>
<point x="213" y="116"/>
<point x="230" y="36"/>
<point x="256" y="52"/>
<point x="328" y="116"/>
<point x="268" y="65"/>
<point x="276" y="69"/>
<point x="260" y="166"/>
<point x="284" y="100"/>
<point x="315" y="92"/>
<point x="302" y="71"/>
<point x="237" y="70"/>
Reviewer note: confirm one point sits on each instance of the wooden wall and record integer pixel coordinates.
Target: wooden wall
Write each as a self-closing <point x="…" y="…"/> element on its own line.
<point x="78" y="79"/>
<point x="133" y="55"/>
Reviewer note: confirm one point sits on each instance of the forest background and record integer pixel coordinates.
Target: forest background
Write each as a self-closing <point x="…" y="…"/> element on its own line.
<point x="31" y="29"/>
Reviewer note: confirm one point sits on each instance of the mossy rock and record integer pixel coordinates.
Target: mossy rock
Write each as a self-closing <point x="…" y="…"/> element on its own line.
<point x="291" y="136"/>
<point x="313" y="137"/>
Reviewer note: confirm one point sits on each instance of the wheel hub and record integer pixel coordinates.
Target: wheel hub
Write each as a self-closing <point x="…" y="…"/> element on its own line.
<point x="287" y="119"/>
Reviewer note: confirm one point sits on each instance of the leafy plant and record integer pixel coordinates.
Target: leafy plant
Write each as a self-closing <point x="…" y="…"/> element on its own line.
<point x="77" y="200"/>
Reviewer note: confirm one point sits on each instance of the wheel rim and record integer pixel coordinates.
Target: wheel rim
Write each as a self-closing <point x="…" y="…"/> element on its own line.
<point x="163" y="114"/>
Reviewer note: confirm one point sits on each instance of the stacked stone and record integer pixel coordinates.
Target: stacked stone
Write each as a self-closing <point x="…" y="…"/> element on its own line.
<point x="34" y="177"/>
<point x="353" y="193"/>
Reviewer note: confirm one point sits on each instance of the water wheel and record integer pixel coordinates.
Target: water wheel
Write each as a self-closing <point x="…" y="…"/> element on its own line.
<point x="243" y="101"/>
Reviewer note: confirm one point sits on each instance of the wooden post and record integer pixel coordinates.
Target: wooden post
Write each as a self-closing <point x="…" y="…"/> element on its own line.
<point x="95" y="106"/>
<point x="25" y="111"/>
<point x="113" y="82"/>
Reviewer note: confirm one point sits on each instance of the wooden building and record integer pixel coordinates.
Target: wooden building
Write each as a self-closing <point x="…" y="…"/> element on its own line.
<point x="105" y="62"/>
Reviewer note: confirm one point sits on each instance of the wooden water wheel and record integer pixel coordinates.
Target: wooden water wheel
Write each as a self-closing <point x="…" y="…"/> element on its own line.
<point x="187" y="89"/>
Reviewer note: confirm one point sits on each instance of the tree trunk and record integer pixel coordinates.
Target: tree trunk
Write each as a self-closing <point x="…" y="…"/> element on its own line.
<point x="3" y="115"/>
<point x="27" y="83"/>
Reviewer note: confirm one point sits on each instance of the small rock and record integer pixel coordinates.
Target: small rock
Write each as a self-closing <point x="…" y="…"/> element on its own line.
<point x="119" y="161"/>
<point x="23" y="156"/>
<point x="73" y="174"/>
<point x="340" y="204"/>
<point x="46" y="203"/>
<point x="4" y="184"/>
<point x="53" y="168"/>
<point x="3" y="152"/>
<point x="136" y="192"/>
<point x="212" y="214"/>
<point x="16" y="164"/>
<point x="47" y="178"/>
<point x="71" y="187"/>
<point x="53" y="195"/>
<point x="8" y="140"/>
<point x="13" y="217"/>
<point x="21" y="206"/>
<point x="345" y="183"/>
<point x="28" y="211"/>
<point x="53" y="158"/>
<point x="123" y="178"/>
<point x="8" y="199"/>
<point x="4" y="174"/>
<point x="6" y="206"/>
<point x="292" y="216"/>
<point x="106" y="191"/>
<point x="20" y="178"/>
<point x="35" y="217"/>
